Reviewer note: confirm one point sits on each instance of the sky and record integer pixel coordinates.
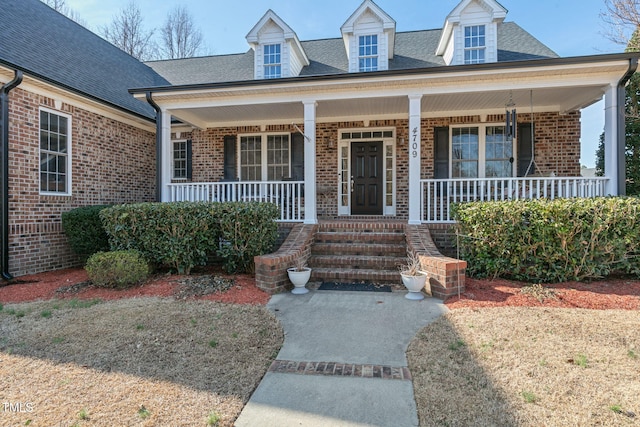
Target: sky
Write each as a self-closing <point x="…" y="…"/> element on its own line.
<point x="568" y="27"/>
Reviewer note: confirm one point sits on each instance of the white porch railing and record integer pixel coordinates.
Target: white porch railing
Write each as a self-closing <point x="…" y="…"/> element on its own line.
<point x="288" y="195"/>
<point x="439" y="194"/>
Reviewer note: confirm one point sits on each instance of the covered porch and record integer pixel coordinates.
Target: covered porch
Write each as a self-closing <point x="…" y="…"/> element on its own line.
<point x="417" y="121"/>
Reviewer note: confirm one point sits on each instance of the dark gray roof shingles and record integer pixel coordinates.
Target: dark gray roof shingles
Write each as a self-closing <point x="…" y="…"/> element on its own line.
<point x="39" y="40"/>
<point x="413" y="49"/>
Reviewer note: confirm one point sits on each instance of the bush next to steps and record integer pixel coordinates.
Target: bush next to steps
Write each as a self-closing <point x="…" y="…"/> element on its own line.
<point x="181" y="235"/>
<point x="550" y="240"/>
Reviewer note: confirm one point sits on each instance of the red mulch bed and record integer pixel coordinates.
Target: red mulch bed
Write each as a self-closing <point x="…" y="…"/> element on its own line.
<point x="602" y="295"/>
<point x="43" y="286"/>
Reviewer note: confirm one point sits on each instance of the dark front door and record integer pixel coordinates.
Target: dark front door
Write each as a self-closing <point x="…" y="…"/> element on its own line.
<point x="366" y="173"/>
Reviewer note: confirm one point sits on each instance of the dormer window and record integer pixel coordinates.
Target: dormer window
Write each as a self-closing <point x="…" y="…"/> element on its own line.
<point x="272" y="61"/>
<point x="474" y="44"/>
<point x="368" y="53"/>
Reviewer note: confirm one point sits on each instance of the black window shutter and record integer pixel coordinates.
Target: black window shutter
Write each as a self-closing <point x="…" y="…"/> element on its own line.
<point x="230" y="158"/>
<point x="297" y="156"/>
<point x="441" y="154"/>
<point x="525" y="145"/>
<point x="189" y="160"/>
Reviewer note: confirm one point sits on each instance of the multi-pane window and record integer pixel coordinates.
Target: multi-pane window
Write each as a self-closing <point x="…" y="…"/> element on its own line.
<point x="368" y="53"/>
<point x="465" y="145"/>
<point x="180" y="159"/>
<point x="481" y="152"/>
<point x="251" y="158"/>
<point x="272" y="61"/>
<point x="265" y="157"/>
<point x="54" y="153"/>
<point x="474" y="44"/>
<point x="277" y="157"/>
<point x="498" y="153"/>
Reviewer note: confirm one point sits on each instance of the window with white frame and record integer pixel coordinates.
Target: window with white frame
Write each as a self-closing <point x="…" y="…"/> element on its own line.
<point x="272" y="61"/>
<point x="481" y="152"/>
<point x="368" y="53"/>
<point x="55" y="152"/>
<point x="180" y="160"/>
<point x="265" y="157"/>
<point x="474" y="44"/>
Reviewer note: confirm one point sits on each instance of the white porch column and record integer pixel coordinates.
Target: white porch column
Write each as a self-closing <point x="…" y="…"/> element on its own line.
<point x="611" y="140"/>
<point x="167" y="155"/>
<point x="415" y="110"/>
<point x="310" y="193"/>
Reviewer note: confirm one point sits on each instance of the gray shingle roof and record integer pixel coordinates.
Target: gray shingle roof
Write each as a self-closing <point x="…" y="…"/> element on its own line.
<point x="42" y="42"/>
<point x="414" y="49"/>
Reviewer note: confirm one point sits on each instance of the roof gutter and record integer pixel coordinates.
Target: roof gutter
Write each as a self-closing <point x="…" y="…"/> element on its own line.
<point x="4" y="174"/>
<point x="622" y="93"/>
<point x="158" y="145"/>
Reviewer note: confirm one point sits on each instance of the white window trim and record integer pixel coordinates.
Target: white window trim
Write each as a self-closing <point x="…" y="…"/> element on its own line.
<point x="388" y="141"/>
<point x="265" y="65"/>
<point x="264" y="157"/>
<point x="476" y="48"/>
<point x="69" y="153"/>
<point x="376" y="56"/>
<point x="173" y="160"/>
<point x="482" y="135"/>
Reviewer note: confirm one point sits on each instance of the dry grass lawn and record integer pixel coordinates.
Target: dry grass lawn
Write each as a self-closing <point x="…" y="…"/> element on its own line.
<point x="518" y="366"/>
<point x="145" y="361"/>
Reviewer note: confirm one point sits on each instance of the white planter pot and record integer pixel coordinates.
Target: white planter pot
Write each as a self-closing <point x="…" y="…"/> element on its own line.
<point x="414" y="285"/>
<point x="299" y="279"/>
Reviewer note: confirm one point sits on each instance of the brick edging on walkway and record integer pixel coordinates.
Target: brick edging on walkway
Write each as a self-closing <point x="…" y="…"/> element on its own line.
<point x="341" y="370"/>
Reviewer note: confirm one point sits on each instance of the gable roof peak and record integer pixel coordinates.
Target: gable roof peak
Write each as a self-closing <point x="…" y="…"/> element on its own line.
<point x="497" y="11"/>
<point x="270" y="16"/>
<point x="388" y="22"/>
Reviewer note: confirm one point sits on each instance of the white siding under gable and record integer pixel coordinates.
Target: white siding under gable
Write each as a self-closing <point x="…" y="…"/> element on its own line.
<point x="471" y="13"/>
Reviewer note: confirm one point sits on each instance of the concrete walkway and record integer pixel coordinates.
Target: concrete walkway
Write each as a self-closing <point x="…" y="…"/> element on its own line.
<point x="343" y="361"/>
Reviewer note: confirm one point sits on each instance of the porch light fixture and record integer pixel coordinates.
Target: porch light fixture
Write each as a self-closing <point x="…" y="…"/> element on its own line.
<point x="511" y="118"/>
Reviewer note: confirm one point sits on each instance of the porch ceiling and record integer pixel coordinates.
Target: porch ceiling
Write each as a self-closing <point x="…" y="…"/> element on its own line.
<point x="370" y="107"/>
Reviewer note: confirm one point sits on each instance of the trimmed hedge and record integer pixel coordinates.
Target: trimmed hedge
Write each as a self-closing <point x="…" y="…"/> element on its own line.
<point x="83" y="228"/>
<point x="117" y="269"/>
<point x="182" y="234"/>
<point x="177" y="235"/>
<point x="550" y="240"/>
<point x="246" y="231"/>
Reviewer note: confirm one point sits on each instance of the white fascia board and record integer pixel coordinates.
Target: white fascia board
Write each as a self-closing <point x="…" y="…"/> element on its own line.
<point x="474" y="80"/>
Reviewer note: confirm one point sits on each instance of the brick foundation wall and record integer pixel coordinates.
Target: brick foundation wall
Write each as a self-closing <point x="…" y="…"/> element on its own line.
<point x="112" y="162"/>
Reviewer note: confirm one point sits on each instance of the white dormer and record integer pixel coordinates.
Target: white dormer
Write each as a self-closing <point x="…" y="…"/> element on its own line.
<point x="470" y="33"/>
<point x="369" y="37"/>
<point x="278" y="52"/>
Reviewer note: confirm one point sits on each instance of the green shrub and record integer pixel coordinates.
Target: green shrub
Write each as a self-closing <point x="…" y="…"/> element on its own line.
<point x="178" y="235"/>
<point x="247" y="230"/>
<point x="550" y="240"/>
<point x="182" y="234"/>
<point x="84" y="230"/>
<point x="117" y="269"/>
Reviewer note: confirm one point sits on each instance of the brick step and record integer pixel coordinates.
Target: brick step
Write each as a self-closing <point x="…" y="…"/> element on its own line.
<point x="370" y="227"/>
<point x="355" y="237"/>
<point x="346" y="275"/>
<point x="369" y="249"/>
<point x="363" y="262"/>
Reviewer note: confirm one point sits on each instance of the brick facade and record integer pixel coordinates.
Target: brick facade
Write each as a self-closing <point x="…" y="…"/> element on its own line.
<point x="112" y="162"/>
<point x="557" y="150"/>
